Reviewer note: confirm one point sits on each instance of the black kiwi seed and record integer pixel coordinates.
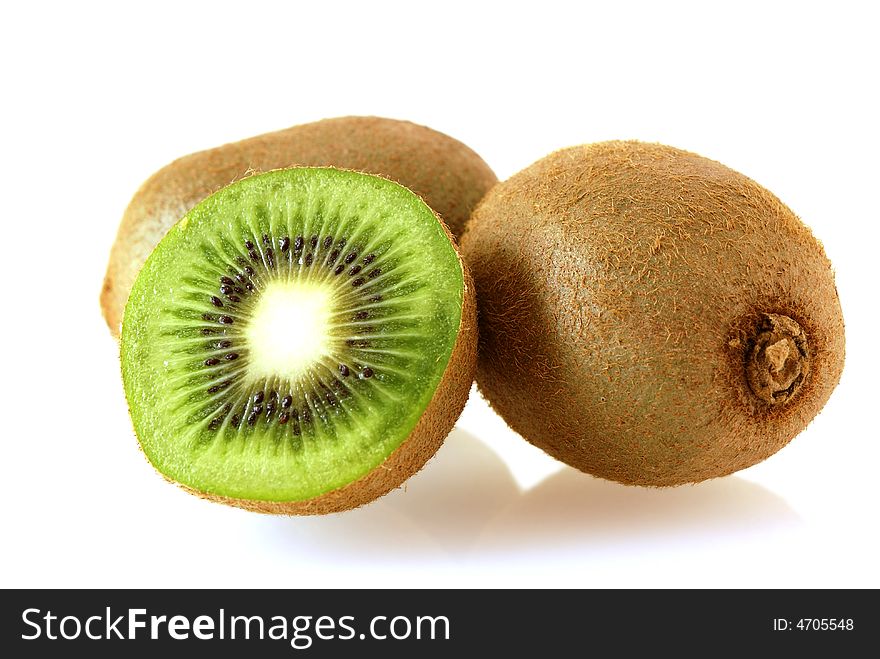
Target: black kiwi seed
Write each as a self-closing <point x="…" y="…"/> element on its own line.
<point x="252" y="418"/>
<point x="343" y="369"/>
<point x="226" y="289"/>
<point x="369" y="258"/>
<point x="351" y="257"/>
<point x="367" y="372"/>
<point x="227" y="281"/>
<point x="375" y="272"/>
<point x="338" y="269"/>
<point x="309" y="258"/>
<point x="333" y="256"/>
<point x="358" y="282"/>
<point x="226" y="320"/>
<point x="327" y="242"/>
<point x="286" y="401"/>
<point x="211" y="361"/>
<point x="216" y="301"/>
<point x="248" y="245"/>
<point x="285" y="244"/>
<point x="354" y="270"/>
<point x="270" y="257"/>
<point x="284" y="418"/>
<point x="249" y="270"/>
<point x="224" y="344"/>
<point x="298" y="244"/>
<point x="208" y="317"/>
<point x="313" y="241"/>
<point x="234" y="298"/>
<point x="266" y="240"/>
<point x="232" y="356"/>
<point x="258" y="398"/>
<point x="361" y="315"/>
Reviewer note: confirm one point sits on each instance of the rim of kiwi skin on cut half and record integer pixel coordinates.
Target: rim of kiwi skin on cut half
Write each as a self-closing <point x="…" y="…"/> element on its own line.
<point x="287" y="335"/>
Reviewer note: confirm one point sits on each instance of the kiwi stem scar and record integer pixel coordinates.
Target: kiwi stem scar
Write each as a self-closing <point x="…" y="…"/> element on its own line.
<point x="778" y="360"/>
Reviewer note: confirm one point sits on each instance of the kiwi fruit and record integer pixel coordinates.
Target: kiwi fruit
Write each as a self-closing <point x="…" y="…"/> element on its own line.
<point x="301" y="342"/>
<point x="650" y="316"/>
<point x="448" y="175"/>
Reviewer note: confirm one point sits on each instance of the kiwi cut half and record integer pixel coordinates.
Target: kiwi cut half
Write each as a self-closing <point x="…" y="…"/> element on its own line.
<point x="302" y="341"/>
<point x="651" y="316"/>
<point x="448" y="175"/>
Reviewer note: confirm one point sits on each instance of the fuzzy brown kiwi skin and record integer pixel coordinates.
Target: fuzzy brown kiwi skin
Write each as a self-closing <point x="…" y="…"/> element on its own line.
<point x="623" y="288"/>
<point x="448" y="175"/>
<point x="420" y="446"/>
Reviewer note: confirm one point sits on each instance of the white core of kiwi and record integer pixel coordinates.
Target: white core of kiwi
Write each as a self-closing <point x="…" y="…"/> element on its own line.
<point x="289" y="331"/>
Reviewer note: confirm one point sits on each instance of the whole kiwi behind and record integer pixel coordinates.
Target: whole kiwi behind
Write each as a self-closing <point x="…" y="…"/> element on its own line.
<point x="449" y="176"/>
<point x="650" y="316"/>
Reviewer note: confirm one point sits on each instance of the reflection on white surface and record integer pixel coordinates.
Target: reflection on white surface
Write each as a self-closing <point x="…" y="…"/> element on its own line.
<point x="444" y="507"/>
<point x="466" y="503"/>
<point x="576" y="510"/>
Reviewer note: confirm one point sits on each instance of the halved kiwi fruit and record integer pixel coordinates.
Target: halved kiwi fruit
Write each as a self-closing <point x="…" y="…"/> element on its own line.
<point x="448" y="175"/>
<point x="649" y="315"/>
<point x="302" y="341"/>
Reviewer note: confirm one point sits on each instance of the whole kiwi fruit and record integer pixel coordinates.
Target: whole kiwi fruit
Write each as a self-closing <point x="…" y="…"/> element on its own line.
<point x="301" y="342"/>
<point x="650" y="316"/>
<point x="448" y="175"/>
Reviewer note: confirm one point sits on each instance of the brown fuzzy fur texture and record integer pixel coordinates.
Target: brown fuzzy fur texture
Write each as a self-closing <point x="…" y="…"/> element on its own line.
<point x="449" y="176"/>
<point x="423" y="442"/>
<point x="622" y="288"/>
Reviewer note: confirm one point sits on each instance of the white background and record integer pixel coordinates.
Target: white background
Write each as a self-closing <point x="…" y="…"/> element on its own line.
<point x="97" y="97"/>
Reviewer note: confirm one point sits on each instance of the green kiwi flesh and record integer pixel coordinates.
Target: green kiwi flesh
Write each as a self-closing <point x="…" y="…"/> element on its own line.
<point x="291" y="333"/>
<point x="651" y="316"/>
